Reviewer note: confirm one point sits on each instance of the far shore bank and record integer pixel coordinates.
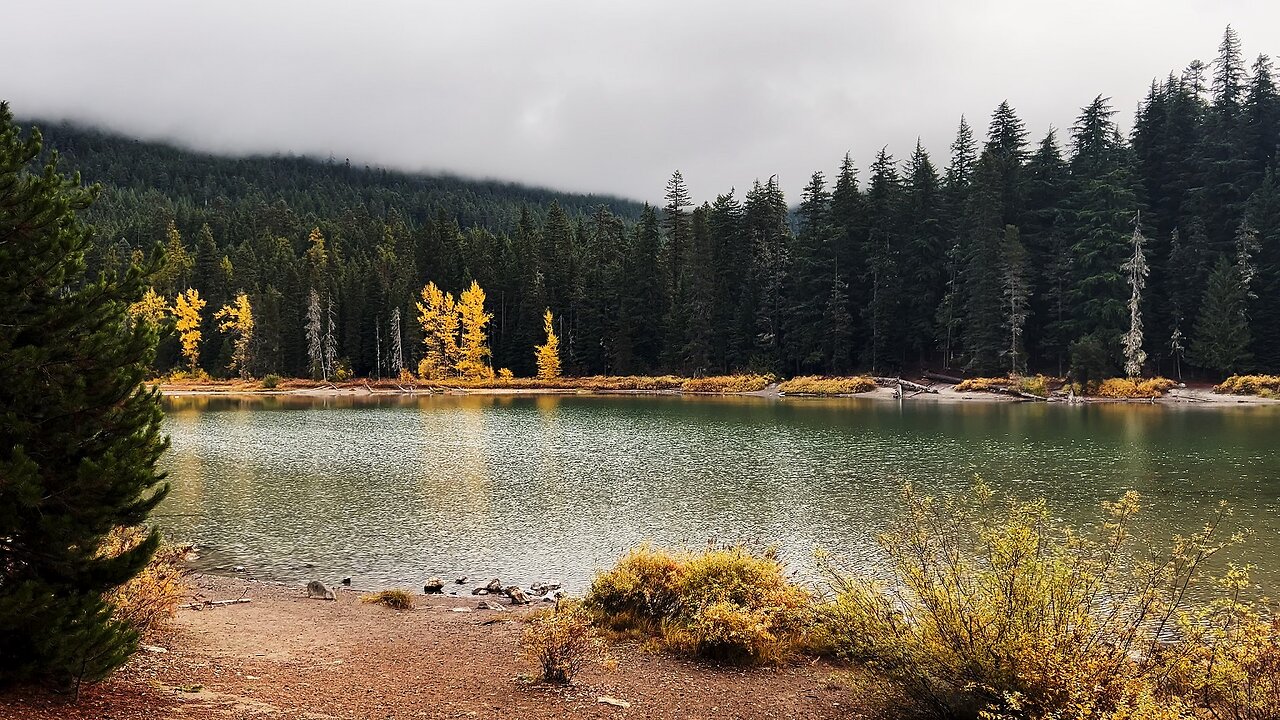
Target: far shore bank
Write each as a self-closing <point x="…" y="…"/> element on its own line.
<point x="940" y="393"/>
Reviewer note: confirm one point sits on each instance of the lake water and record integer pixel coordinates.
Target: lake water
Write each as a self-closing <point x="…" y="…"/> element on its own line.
<point x="392" y="490"/>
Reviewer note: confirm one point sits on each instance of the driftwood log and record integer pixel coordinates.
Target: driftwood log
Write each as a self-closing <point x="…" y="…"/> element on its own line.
<point x="200" y="605"/>
<point x="895" y="383"/>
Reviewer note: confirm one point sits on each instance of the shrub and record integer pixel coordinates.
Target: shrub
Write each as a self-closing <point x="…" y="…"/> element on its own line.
<point x="815" y="385"/>
<point x="1121" y="388"/>
<point x="394" y="599"/>
<point x="1263" y="385"/>
<point x="149" y="599"/>
<point x="721" y="603"/>
<point x="506" y="374"/>
<point x="992" y="608"/>
<point x="561" y="641"/>
<point x="727" y="384"/>
<point x="270" y="382"/>
<point x="983" y="384"/>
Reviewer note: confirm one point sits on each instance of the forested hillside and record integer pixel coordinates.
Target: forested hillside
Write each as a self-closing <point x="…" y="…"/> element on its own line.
<point x="1089" y="252"/>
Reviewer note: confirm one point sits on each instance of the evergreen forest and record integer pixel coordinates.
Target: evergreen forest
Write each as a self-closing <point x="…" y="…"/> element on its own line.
<point x="1093" y="250"/>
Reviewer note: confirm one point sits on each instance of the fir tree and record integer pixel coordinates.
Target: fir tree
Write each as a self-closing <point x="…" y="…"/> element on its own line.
<point x="1136" y="270"/>
<point x="1221" y="342"/>
<point x="80" y="434"/>
<point x="1017" y="292"/>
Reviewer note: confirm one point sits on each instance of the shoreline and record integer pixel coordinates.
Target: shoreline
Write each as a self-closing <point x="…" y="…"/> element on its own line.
<point x="282" y="655"/>
<point x="944" y="394"/>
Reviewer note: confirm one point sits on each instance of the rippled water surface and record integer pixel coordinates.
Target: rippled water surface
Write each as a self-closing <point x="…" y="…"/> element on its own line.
<point x="393" y="490"/>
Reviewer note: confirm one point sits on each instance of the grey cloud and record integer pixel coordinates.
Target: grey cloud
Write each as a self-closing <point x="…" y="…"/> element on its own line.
<point x="592" y="95"/>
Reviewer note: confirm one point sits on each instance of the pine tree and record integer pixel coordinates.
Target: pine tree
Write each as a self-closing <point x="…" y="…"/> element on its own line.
<point x="329" y="353"/>
<point x="396" y="354"/>
<point x="1017" y="292"/>
<point x="79" y="436"/>
<point x="186" y="311"/>
<point x="237" y="319"/>
<point x="1221" y="342"/>
<point x="314" y="333"/>
<point x="547" y="355"/>
<point x="474" y="353"/>
<point x="175" y="271"/>
<point x="1136" y="270"/>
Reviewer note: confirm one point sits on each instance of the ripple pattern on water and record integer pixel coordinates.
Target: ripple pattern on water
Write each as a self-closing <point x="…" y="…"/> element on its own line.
<point x="394" y="490"/>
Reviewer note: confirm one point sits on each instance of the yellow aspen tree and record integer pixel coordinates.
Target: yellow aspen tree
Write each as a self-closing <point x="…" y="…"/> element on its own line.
<point x="186" y="311"/>
<point x="548" y="354"/>
<point x="152" y="308"/>
<point x="474" y="360"/>
<point x="238" y="320"/>
<point x="438" y="316"/>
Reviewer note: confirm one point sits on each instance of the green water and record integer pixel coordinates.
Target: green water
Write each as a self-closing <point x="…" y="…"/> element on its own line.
<point x="393" y="490"/>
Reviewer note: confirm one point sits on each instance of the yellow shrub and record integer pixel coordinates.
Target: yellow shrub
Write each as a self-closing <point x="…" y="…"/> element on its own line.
<point x="394" y="599"/>
<point x="983" y="384"/>
<point x="506" y="374"/>
<point x="149" y="599"/>
<point x="727" y="384"/>
<point x="1130" y="388"/>
<point x="642" y="589"/>
<point x="992" y="608"/>
<point x="722" y="603"/>
<point x="561" y="641"/>
<point x="1263" y="385"/>
<point x="816" y="385"/>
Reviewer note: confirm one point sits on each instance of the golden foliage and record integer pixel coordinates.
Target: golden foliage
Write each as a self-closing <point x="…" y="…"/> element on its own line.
<point x="152" y="308"/>
<point x="726" y="384"/>
<point x="473" y="362"/>
<point x="238" y="320"/>
<point x="1261" y="385"/>
<point x="817" y="385"/>
<point x="561" y="641"/>
<point x="438" y="317"/>
<point x="991" y="608"/>
<point x="394" y="599"/>
<point x="186" y="311"/>
<point x="721" y="603"/>
<point x="149" y="599"/>
<point x="547" y="355"/>
<point x="1120" y="388"/>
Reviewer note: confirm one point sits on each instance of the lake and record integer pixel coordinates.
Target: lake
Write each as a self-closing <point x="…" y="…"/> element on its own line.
<point x="393" y="490"/>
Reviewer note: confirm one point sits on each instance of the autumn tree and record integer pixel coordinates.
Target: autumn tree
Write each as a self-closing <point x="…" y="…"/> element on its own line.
<point x="186" y="312"/>
<point x="474" y="353"/>
<point x="237" y="319"/>
<point x="79" y="434"/>
<point x="152" y="308"/>
<point x="438" y="318"/>
<point x="547" y="355"/>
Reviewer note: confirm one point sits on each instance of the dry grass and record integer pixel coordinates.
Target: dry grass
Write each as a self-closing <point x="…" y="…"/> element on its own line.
<point x="150" y="599"/>
<point x="727" y="384"/>
<point x="816" y="385"/>
<point x="984" y="384"/>
<point x="1260" y="385"/>
<point x="394" y="599"/>
<point x="561" y="641"/>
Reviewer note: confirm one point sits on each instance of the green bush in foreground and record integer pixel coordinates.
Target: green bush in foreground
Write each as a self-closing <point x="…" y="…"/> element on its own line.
<point x="721" y="603"/>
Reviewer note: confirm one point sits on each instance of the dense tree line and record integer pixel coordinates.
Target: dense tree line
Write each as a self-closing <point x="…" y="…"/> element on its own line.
<point x="1087" y="253"/>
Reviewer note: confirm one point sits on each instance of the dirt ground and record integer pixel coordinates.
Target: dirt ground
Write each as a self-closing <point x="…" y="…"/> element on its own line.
<point x="285" y="656"/>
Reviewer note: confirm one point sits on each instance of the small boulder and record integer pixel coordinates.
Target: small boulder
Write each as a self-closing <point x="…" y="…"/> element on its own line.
<point x="434" y="586"/>
<point x="494" y="586"/>
<point x="539" y="588"/>
<point x="346" y="581"/>
<point x="317" y="589"/>
<point x="518" y="597"/>
<point x="486" y="605"/>
<point x="480" y="591"/>
<point x="461" y="581"/>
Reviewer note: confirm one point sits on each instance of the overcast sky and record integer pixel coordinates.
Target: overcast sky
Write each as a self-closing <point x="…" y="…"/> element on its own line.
<point x="596" y="95"/>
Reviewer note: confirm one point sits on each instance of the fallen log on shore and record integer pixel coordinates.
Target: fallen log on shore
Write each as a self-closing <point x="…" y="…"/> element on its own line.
<point x="900" y="383"/>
